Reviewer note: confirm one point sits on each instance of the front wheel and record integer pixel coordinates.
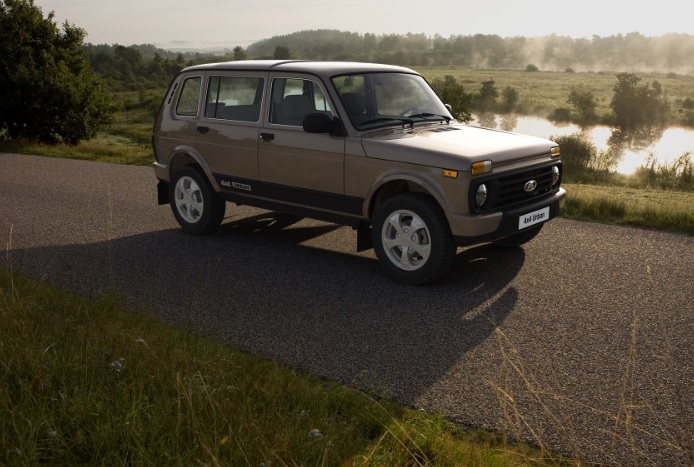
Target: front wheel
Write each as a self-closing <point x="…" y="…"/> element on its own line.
<point x="412" y="239"/>
<point x="195" y="205"/>
<point x="519" y="238"/>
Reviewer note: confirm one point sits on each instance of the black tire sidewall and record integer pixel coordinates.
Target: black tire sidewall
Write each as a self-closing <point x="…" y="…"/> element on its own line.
<point x="442" y="245"/>
<point x="213" y="205"/>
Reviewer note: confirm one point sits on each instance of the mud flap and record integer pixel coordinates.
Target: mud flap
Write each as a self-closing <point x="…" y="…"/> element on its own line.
<point x="162" y="192"/>
<point x="364" y="240"/>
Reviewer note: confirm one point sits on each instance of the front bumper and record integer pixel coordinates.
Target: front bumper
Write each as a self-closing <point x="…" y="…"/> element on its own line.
<point x="473" y="229"/>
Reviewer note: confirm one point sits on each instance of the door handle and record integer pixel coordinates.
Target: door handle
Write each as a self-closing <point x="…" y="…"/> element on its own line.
<point x="267" y="137"/>
<point x="203" y="129"/>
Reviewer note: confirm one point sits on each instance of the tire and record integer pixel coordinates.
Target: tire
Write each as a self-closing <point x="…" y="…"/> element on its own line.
<point x="195" y="205"/>
<point x="410" y="256"/>
<point x="519" y="238"/>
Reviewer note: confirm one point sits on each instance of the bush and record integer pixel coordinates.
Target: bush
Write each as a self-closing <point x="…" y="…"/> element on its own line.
<point x="56" y="97"/>
<point x="635" y="104"/>
<point x="453" y="93"/>
<point x="576" y="154"/>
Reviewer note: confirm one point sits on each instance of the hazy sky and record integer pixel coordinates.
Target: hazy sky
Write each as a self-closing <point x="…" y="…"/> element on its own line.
<point x="229" y="23"/>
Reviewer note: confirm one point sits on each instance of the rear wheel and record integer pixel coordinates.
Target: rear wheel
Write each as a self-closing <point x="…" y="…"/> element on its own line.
<point x="195" y="204"/>
<point x="519" y="238"/>
<point x="412" y="239"/>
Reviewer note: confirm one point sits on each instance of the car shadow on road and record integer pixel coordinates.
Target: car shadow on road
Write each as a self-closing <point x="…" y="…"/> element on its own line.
<point x="263" y="286"/>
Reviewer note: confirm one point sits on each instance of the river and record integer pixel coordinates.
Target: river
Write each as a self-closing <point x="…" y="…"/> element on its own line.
<point x="630" y="151"/>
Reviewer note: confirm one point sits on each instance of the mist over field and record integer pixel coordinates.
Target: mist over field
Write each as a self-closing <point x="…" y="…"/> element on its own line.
<point x="632" y="52"/>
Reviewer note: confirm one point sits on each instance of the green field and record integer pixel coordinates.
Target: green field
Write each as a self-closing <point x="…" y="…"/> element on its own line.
<point x="542" y="92"/>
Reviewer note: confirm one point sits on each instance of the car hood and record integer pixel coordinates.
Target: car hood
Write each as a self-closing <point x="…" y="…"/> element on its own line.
<point x="452" y="146"/>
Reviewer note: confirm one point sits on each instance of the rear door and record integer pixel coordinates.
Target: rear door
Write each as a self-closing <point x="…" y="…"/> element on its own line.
<point x="227" y="132"/>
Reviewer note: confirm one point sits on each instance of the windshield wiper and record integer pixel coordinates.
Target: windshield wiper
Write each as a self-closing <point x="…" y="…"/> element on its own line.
<point x="427" y="115"/>
<point x="408" y="120"/>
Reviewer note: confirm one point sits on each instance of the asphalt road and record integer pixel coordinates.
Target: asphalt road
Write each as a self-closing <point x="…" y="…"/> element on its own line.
<point x="582" y="340"/>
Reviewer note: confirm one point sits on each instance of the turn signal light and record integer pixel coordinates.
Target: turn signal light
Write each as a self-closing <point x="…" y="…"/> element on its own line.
<point x="483" y="167"/>
<point x="555" y="152"/>
<point x="449" y="173"/>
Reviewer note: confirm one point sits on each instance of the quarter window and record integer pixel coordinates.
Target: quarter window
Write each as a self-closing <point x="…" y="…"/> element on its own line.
<point x="189" y="98"/>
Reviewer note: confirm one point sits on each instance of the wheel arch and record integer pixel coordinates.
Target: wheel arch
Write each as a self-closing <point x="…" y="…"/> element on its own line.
<point x="395" y="183"/>
<point x="188" y="156"/>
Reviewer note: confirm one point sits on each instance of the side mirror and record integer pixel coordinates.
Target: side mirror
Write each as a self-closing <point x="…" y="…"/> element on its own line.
<point x="320" y="123"/>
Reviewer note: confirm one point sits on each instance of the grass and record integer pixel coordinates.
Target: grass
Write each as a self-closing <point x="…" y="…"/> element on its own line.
<point x="542" y="92"/>
<point x="663" y="210"/>
<point x="87" y="381"/>
<point x="127" y="141"/>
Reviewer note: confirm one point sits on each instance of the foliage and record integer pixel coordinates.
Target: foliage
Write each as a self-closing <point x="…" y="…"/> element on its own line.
<point x="486" y="99"/>
<point x="55" y="94"/>
<point x="531" y="67"/>
<point x="621" y="52"/>
<point x="635" y="104"/>
<point x="453" y="93"/>
<point x="510" y="98"/>
<point x="281" y="53"/>
<point x="576" y="153"/>
<point x="585" y="103"/>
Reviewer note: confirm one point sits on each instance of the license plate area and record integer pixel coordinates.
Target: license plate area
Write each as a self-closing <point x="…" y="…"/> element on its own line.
<point x="533" y="218"/>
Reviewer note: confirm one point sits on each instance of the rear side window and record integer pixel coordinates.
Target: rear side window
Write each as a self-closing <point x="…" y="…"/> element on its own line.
<point x="189" y="98"/>
<point x="234" y="98"/>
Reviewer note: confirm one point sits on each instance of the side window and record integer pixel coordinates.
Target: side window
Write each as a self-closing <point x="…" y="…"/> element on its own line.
<point x="234" y="98"/>
<point x="188" y="100"/>
<point x="293" y="98"/>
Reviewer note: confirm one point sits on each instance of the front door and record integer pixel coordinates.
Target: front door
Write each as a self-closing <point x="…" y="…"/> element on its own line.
<point x="297" y="167"/>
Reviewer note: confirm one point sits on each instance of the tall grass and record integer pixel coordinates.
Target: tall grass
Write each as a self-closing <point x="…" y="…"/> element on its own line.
<point x="88" y="382"/>
<point x="663" y="210"/>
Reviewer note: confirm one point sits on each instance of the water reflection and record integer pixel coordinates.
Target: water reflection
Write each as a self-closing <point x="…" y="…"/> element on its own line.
<point x="623" y="152"/>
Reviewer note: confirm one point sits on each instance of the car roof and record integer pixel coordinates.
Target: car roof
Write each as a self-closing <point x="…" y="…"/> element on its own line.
<point x="320" y="68"/>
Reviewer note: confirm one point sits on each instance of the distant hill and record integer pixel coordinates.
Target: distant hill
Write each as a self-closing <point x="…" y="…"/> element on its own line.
<point x="632" y="52"/>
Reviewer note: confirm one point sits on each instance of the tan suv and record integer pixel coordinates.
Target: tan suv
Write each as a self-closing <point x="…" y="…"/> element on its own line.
<point x="365" y="145"/>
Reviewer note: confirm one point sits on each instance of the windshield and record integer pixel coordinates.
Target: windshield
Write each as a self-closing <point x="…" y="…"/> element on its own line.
<point x="380" y="99"/>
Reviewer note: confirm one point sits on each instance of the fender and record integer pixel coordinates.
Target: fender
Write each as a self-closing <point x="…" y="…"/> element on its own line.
<point x="425" y="182"/>
<point x="185" y="152"/>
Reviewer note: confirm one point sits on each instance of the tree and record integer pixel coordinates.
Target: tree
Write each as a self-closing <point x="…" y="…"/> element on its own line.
<point x="55" y="95"/>
<point x="510" y="97"/>
<point x="486" y="100"/>
<point x="239" y="53"/>
<point x="452" y="92"/>
<point x="585" y="103"/>
<point x="282" y="53"/>
<point x="635" y="105"/>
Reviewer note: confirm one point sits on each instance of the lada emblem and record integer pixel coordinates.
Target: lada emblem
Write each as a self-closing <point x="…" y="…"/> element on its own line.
<point x="530" y="186"/>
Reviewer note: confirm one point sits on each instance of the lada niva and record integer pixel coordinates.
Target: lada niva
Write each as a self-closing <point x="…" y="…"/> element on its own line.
<point x="359" y="144"/>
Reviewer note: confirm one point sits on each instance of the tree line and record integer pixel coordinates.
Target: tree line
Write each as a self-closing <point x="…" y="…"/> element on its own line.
<point x="631" y="52"/>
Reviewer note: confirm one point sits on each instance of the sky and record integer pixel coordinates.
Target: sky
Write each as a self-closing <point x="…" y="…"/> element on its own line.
<point x="228" y="23"/>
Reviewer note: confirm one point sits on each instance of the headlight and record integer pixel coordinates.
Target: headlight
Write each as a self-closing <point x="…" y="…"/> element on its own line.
<point x="555" y="175"/>
<point x="481" y="196"/>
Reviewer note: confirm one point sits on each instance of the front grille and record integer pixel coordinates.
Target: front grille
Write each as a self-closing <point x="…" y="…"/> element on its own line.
<point x="508" y="189"/>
